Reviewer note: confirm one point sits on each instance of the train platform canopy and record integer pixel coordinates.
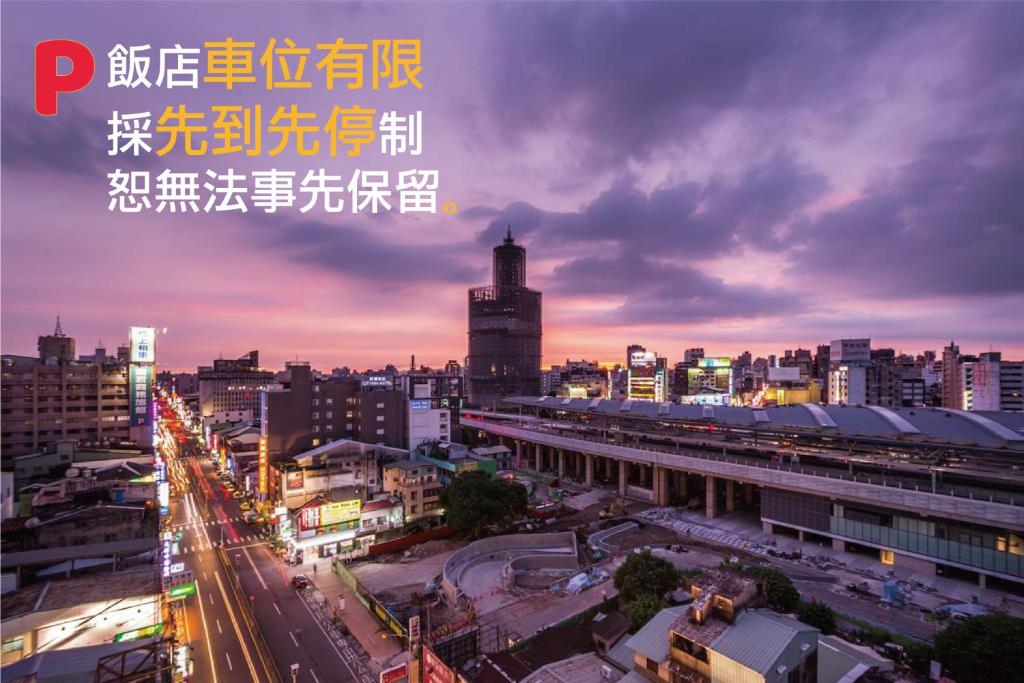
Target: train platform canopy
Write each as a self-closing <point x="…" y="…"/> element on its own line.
<point x="990" y="430"/>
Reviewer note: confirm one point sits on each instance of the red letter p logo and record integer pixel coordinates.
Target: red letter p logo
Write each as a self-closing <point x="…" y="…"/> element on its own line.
<point x="49" y="82"/>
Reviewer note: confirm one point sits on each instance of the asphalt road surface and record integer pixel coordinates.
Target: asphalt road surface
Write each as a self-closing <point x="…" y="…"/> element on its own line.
<point x="294" y="624"/>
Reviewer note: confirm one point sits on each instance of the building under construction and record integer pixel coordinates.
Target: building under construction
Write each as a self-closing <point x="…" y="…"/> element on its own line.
<point x="504" y="331"/>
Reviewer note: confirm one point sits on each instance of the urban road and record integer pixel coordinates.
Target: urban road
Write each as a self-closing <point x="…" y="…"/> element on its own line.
<point x="292" y="626"/>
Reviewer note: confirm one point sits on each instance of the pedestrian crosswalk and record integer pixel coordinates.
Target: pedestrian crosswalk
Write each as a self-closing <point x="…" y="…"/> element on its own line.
<point x="210" y="522"/>
<point x="199" y="545"/>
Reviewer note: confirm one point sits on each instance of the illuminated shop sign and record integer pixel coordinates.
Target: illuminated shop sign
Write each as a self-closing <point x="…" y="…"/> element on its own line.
<point x="263" y="465"/>
<point x="377" y="381"/>
<point x="136" y="634"/>
<point x="140" y="394"/>
<point x="182" y="591"/>
<point x="329" y="514"/>
<point x="293" y="481"/>
<point x="166" y="544"/>
<point x="143" y="344"/>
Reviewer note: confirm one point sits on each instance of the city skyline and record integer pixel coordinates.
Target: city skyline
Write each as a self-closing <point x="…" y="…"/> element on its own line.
<point x="863" y="184"/>
<point x="615" y="358"/>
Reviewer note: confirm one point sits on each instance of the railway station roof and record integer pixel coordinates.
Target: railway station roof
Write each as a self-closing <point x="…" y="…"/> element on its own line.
<point x="938" y="426"/>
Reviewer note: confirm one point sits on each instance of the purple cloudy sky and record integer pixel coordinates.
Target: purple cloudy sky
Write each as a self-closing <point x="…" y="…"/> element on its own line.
<point x="734" y="176"/>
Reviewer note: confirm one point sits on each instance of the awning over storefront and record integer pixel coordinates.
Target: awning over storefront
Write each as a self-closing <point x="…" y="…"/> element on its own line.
<point x="322" y="539"/>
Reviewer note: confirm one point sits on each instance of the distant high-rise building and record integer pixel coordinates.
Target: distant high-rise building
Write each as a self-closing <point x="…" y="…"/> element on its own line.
<point x="690" y="356"/>
<point x="710" y="381"/>
<point x="578" y="379"/>
<point x="504" y="331"/>
<point x="884" y="381"/>
<point x="305" y="412"/>
<point x="233" y="385"/>
<point x="952" y="390"/>
<point x="991" y="383"/>
<point x="56" y="347"/>
<point x="801" y="358"/>
<point x="57" y="398"/>
<point x="648" y="377"/>
<point x="848" y="369"/>
<point x="433" y="404"/>
<point x="631" y="349"/>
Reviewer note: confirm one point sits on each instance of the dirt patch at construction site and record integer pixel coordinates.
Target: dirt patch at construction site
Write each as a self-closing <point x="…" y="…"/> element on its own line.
<point x="648" y="535"/>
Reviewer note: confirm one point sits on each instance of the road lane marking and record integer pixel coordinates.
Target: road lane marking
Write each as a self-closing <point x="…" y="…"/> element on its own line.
<point x="245" y="551"/>
<point x="211" y="597"/>
<point x="206" y="635"/>
<point x="294" y="640"/>
<point x="278" y="609"/>
<point x="234" y="624"/>
<point x="219" y="629"/>
<point x="228" y="657"/>
<point x="314" y="676"/>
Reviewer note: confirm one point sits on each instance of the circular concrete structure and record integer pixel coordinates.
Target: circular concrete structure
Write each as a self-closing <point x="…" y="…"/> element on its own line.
<point x="530" y="557"/>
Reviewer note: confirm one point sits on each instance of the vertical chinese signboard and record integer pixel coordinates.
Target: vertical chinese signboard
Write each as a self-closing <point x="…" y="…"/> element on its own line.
<point x="142" y="356"/>
<point x="140" y="395"/>
<point x="263" y="466"/>
<point x="142" y="345"/>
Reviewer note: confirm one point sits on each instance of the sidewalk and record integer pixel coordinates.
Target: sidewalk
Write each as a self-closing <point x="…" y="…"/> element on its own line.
<point x="384" y="651"/>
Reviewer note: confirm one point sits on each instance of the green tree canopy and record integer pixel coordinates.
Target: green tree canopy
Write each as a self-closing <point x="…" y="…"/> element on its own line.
<point x="779" y="592"/>
<point x="642" y="609"/>
<point x="645" y="573"/>
<point x="475" y="501"/>
<point x="819" y="615"/>
<point x="988" y="649"/>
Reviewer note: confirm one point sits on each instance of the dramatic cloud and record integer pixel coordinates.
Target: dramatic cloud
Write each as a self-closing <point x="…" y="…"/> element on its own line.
<point x="74" y="142"/>
<point x="359" y="253"/>
<point x="658" y="293"/>
<point x="949" y="223"/>
<point x="688" y="219"/>
<point x="624" y="79"/>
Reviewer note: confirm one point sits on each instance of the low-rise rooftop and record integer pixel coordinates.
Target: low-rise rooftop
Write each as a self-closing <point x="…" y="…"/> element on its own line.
<point x="407" y="464"/>
<point x="652" y="640"/>
<point x="65" y="593"/>
<point x="584" y="667"/>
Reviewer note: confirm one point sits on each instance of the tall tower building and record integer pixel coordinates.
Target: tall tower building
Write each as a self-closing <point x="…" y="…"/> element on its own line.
<point x="56" y="347"/>
<point x="504" y="331"/>
<point x="952" y="385"/>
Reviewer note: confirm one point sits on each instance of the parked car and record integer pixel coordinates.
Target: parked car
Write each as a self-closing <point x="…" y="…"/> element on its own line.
<point x="244" y="506"/>
<point x="300" y="582"/>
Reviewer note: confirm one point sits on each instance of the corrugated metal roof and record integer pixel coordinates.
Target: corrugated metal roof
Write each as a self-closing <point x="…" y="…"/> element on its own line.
<point x="634" y="677"/>
<point x="757" y="640"/>
<point x="652" y="640"/>
<point x="935" y="425"/>
<point x="621" y="653"/>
